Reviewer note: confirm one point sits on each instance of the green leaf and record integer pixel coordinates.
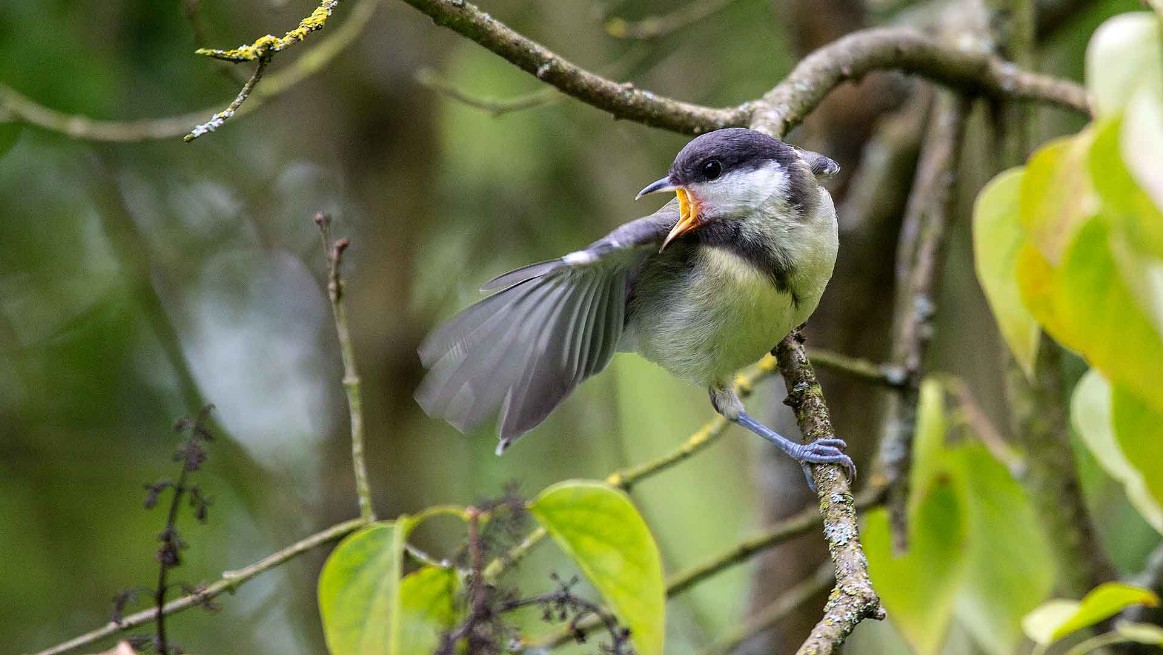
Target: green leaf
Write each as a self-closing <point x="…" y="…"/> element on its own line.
<point x="1136" y="220"/>
<point x="1139" y="432"/>
<point x="1091" y="298"/>
<point x="1057" y="197"/>
<point x="1092" y="415"/>
<point x="359" y="591"/>
<point x="599" y="527"/>
<point x="997" y="238"/>
<point x="427" y="608"/>
<point x="1123" y="55"/>
<point x="1009" y="568"/>
<point x="1058" y="618"/>
<point x="918" y="589"/>
<point x="1140" y="633"/>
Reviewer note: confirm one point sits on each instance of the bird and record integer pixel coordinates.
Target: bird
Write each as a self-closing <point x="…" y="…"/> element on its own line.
<point x="702" y="287"/>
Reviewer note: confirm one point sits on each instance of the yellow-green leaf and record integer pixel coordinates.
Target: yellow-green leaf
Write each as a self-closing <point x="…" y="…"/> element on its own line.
<point x="1003" y="527"/>
<point x="1140" y="633"/>
<point x="1092" y="300"/>
<point x="919" y="589"/>
<point x="427" y="608"/>
<point x="1058" y="618"/>
<point x="359" y="591"/>
<point x="1139" y="432"/>
<point x="1093" y="418"/>
<point x="601" y="530"/>
<point x="997" y="238"/>
<point x="1057" y="197"/>
<point x="1040" y="624"/>
<point x="1123" y="55"/>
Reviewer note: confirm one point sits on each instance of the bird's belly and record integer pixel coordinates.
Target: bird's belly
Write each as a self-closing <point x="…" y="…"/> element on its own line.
<point x="720" y="316"/>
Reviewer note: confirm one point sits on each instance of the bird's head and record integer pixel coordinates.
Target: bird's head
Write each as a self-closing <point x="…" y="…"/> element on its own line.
<point x="739" y="174"/>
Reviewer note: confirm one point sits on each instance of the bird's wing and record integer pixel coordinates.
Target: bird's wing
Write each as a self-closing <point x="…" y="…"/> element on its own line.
<point x="548" y="327"/>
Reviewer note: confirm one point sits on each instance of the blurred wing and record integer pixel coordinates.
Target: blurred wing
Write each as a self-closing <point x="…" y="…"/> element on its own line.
<point x="550" y="326"/>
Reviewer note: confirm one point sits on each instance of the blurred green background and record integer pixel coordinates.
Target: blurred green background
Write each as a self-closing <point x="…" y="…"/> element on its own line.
<point x="141" y="280"/>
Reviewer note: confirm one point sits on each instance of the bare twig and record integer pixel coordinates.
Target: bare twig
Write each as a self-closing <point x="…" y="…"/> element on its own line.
<point x="230" y="581"/>
<point x="653" y="27"/>
<point x="769" y="616"/>
<point x="492" y="106"/>
<point x="920" y="259"/>
<point x="19" y="108"/>
<point x="971" y="414"/>
<point x="885" y="375"/>
<point x="852" y="599"/>
<point x="334" y="251"/>
<point x="216" y="121"/>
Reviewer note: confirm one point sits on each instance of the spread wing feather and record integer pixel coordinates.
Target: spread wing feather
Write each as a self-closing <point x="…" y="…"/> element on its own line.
<point x="548" y="327"/>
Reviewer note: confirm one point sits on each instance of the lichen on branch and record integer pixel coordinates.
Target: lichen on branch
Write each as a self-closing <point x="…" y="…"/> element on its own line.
<point x="267" y="45"/>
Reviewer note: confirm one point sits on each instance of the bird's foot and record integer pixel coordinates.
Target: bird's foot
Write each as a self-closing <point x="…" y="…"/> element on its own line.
<point x="824" y="451"/>
<point x="821" y="451"/>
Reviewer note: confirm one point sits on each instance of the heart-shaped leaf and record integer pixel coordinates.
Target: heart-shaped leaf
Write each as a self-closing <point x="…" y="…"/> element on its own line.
<point x="599" y="527"/>
<point x="359" y="591"/>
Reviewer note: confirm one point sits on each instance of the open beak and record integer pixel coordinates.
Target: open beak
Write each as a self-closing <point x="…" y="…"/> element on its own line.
<point x="689" y="217"/>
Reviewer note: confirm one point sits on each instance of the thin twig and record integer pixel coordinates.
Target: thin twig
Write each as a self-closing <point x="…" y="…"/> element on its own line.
<point x="766" y="618"/>
<point x="351" y="384"/>
<point x="920" y="259"/>
<point x="492" y="106"/>
<point x="216" y="121"/>
<point x="231" y="580"/>
<point x="885" y="375"/>
<point x="653" y="27"/>
<point x="972" y="415"/>
<point x="19" y="108"/>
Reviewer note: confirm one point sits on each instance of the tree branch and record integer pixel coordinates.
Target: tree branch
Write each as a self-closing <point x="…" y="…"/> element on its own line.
<point x="622" y="100"/>
<point x="785" y="106"/>
<point x="904" y="49"/>
<point x="920" y="259"/>
<point x="853" y="599"/>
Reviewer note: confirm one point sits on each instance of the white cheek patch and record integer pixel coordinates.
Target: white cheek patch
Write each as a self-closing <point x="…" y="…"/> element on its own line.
<point x="745" y="191"/>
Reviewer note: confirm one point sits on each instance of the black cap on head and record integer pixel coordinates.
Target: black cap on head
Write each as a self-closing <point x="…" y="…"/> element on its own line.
<point x="729" y="150"/>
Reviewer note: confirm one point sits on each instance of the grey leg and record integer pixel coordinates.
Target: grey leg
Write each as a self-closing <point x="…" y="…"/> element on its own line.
<point x="823" y="451"/>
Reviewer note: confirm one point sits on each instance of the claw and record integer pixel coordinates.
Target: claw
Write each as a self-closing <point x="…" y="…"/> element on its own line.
<point x="825" y="451"/>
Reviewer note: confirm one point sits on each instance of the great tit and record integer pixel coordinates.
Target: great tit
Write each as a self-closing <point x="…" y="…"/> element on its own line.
<point x="702" y="287"/>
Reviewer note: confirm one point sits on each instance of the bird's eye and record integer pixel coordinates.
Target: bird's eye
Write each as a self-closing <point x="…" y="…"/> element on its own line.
<point x="712" y="169"/>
